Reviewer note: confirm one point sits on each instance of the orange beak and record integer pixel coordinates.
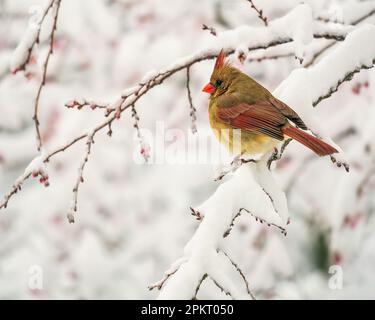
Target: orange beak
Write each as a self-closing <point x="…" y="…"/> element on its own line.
<point x="209" y="88"/>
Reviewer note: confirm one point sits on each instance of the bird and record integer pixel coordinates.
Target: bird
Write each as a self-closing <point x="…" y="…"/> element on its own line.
<point x="248" y="119"/>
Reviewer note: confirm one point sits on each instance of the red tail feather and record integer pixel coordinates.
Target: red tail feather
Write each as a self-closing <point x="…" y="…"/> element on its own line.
<point x="318" y="146"/>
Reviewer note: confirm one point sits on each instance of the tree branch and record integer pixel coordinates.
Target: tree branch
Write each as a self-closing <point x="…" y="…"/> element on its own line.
<point x="259" y="12"/>
<point x="193" y="115"/>
<point x="132" y="95"/>
<point x="55" y="9"/>
<point x="241" y="274"/>
<point x="73" y="207"/>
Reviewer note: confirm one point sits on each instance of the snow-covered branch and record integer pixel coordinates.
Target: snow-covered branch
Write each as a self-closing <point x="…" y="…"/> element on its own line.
<point x="73" y="206"/>
<point x="252" y="187"/>
<point x="22" y="55"/>
<point x="282" y="30"/>
<point x="279" y="31"/>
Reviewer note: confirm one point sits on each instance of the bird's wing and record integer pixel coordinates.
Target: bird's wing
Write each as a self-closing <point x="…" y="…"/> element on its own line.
<point x="261" y="117"/>
<point x="288" y="112"/>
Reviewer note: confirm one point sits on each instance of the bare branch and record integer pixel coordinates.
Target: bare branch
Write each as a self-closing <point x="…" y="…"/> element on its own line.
<point x="55" y="9"/>
<point x="159" y="284"/>
<point x="196" y="214"/>
<point x="257" y="219"/>
<point x="134" y="94"/>
<point x="144" y="147"/>
<point x="227" y="292"/>
<point x="237" y="162"/>
<point x="283" y="230"/>
<point x="199" y="286"/>
<point x="211" y="29"/>
<point x="172" y="270"/>
<point x="17" y="186"/>
<point x="193" y="110"/>
<point x="259" y="12"/>
<point x="241" y="274"/>
<point x="276" y="155"/>
<point x="81" y="103"/>
<point x="73" y="207"/>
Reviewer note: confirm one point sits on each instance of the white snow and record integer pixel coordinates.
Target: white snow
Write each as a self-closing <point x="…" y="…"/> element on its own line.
<point x="135" y="220"/>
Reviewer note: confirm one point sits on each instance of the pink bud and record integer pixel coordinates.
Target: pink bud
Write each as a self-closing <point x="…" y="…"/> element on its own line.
<point x="356" y="90"/>
<point x="337" y="258"/>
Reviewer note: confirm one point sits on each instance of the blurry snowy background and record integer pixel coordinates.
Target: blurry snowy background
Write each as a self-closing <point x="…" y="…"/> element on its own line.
<point x="133" y="220"/>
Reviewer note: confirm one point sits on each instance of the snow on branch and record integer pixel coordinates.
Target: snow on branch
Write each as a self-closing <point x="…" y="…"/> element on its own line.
<point x="193" y="115"/>
<point x="296" y="27"/>
<point x="22" y="55"/>
<point x="212" y="30"/>
<point x="252" y="187"/>
<point x="73" y="206"/>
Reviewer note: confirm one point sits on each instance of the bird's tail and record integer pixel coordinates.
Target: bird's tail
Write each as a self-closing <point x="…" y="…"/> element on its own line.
<point x="318" y="146"/>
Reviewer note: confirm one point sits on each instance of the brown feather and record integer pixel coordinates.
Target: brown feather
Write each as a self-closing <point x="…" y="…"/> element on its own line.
<point x="288" y="112"/>
<point x="259" y="118"/>
<point x="318" y="146"/>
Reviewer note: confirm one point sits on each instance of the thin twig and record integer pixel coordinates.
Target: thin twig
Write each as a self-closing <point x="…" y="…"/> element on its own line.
<point x="31" y="46"/>
<point x="134" y="94"/>
<point x="193" y="110"/>
<point x="227" y="292"/>
<point x="73" y="207"/>
<point x="158" y="285"/>
<point x="81" y="103"/>
<point x="237" y="162"/>
<point x="55" y="8"/>
<point x="259" y="12"/>
<point x="199" y="286"/>
<point x="17" y="186"/>
<point x="261" y="220"/>
<point x="172" y="270"/>
<point x="276" y="155"/>
<point x="241" y="274"/>
<point x="211" y="29"/>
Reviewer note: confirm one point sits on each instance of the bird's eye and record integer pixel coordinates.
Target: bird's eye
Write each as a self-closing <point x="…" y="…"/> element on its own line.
<point x="218" y="83"/>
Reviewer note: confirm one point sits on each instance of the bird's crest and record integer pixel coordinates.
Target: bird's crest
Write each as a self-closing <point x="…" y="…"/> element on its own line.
<point x="220" y="60"/>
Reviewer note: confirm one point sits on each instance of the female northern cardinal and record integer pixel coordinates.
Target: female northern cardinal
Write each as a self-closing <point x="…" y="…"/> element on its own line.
<point x="239" y="102"/>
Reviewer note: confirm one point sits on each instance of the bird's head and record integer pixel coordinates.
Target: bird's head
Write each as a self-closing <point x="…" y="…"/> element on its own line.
<point x="222" y="76"/>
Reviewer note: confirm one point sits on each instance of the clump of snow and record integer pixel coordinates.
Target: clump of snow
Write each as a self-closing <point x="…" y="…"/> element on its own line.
<point x="22" y="52"/>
